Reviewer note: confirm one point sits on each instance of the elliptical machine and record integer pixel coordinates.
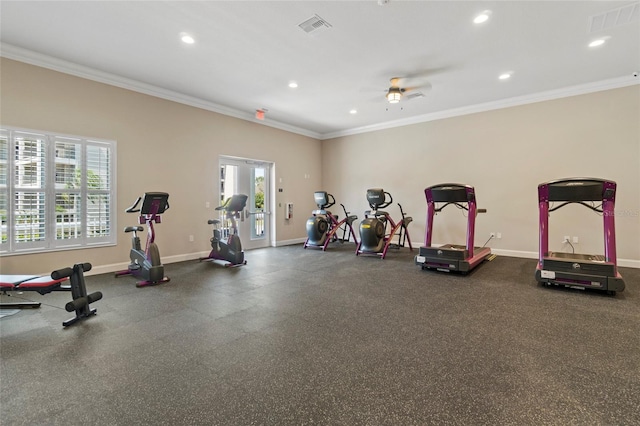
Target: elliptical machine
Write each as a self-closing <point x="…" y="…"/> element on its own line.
<point x="374" y="239"/>
<point x="323" y="226"/>
<point x="226" y="247"/>
<point x="146" y="264"/>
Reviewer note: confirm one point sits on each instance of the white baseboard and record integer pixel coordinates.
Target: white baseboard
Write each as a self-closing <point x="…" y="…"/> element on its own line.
<point x="629" y="263"/>
<point x="290" y="242"/>
<point x="516" y="253"/>
<point x="625" y="263"/>
<point x="114" y="267"/>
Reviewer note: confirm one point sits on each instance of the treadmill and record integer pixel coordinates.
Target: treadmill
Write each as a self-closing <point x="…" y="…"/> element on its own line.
<point x="451" y="257"/>
<point x="574" y="270"/>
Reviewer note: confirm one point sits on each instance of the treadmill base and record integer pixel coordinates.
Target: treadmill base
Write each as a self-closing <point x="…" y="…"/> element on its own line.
<point x="610" y="284"/>
<point x="449" y="258"/>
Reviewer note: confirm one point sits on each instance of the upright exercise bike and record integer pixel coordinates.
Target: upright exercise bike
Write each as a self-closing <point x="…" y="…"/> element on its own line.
<point x="374" y="239"/>
<point x="146" y="264"/>
<point x="226" y="247"/>
<point x="323" y="226"/>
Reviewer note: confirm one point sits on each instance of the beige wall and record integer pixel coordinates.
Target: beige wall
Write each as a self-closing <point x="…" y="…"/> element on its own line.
<point x="161" y="146"/>
<point x="505" y="154"/>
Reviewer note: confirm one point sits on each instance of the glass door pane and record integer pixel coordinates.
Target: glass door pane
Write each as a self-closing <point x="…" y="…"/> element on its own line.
<point x="257" y="199"/>
<point x="249" y="177"/>
<point x="228" y="187"/>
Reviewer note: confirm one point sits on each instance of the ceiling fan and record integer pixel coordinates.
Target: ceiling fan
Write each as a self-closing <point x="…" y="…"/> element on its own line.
<point x="395" y="92"/>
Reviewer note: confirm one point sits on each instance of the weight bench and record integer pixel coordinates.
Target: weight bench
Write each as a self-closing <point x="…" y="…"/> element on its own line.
<point x="43" y="285"/>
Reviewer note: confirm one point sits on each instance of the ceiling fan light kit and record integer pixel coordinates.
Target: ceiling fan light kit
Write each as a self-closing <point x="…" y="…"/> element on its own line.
<point x="394" y="95"/>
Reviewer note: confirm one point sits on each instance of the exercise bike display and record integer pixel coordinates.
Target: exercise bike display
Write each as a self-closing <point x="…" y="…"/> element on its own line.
<point x="323" y="226"/>
<point x="146" y="264"/>
<point x="452" y="257"/>
<point x="226" y="247"/>
<point x="374" y="239"/>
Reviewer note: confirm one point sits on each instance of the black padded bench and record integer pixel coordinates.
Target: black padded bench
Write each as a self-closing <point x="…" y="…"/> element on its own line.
<point x="56" y="282"/>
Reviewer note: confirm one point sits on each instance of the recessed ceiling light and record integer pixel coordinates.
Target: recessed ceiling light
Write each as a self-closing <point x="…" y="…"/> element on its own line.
<point x="186" y="38"/>
<point x="505" y="76"/>
<point x="293" y="84"/>
<point x="483" y="17"/>
<point x="353" y="111"/>
<point x="596" y="43"/>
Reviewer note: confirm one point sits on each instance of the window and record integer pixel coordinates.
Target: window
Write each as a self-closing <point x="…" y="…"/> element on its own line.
<point x="56" y="192"/>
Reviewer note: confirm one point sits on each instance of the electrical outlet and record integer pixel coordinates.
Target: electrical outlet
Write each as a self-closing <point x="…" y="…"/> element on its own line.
<point x="499" y="235"/>
<point x="190" y="238"/>
<point x="492" y="235"/>
<point x="575" y="240"/>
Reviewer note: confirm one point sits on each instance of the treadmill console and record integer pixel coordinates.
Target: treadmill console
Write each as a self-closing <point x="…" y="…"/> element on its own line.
<point x="451" y="193"/>
<point x="578" y="189"/>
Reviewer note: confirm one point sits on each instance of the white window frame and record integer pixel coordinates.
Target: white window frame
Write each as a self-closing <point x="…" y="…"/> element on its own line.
<point x="50" y="243"/>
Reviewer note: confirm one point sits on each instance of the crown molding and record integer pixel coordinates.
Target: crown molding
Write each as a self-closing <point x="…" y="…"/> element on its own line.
<point x="45" y="61"/>
<point x="565" y="92"/>
<point x="27" y="56"/>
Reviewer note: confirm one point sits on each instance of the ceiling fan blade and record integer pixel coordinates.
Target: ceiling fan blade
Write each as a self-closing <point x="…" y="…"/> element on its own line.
<point x="425" y="86"/>
<point x="427" y="72"/>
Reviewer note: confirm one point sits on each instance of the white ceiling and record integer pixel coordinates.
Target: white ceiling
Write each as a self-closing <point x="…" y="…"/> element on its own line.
<point x="246" y="53"/>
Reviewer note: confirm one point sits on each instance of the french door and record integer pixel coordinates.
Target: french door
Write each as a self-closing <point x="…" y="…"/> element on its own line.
<point x="252" y="178"/>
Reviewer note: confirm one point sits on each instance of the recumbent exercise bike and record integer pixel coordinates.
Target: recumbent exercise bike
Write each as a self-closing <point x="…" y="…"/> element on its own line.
<point x="146" y="264"/>
<point x="226" y="247"/>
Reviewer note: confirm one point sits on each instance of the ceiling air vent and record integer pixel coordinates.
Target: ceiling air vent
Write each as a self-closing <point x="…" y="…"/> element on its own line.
<point x="615" y="17"/>
<point x="414" y="95"/>
<point x="314" y="25"/>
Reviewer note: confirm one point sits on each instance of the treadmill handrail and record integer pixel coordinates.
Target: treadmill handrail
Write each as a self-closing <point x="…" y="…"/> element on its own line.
<point x="439" y="209"/>
<point x="450" y="193"/>
<point x="595" y="209"/>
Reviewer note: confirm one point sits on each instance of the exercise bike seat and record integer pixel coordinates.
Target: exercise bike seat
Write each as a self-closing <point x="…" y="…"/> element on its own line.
<point x="133" y="229"/>
<point x="213" y="222"/>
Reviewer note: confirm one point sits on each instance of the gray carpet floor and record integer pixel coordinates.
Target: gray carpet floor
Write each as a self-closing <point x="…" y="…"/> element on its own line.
<point x="300" y="337"/>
